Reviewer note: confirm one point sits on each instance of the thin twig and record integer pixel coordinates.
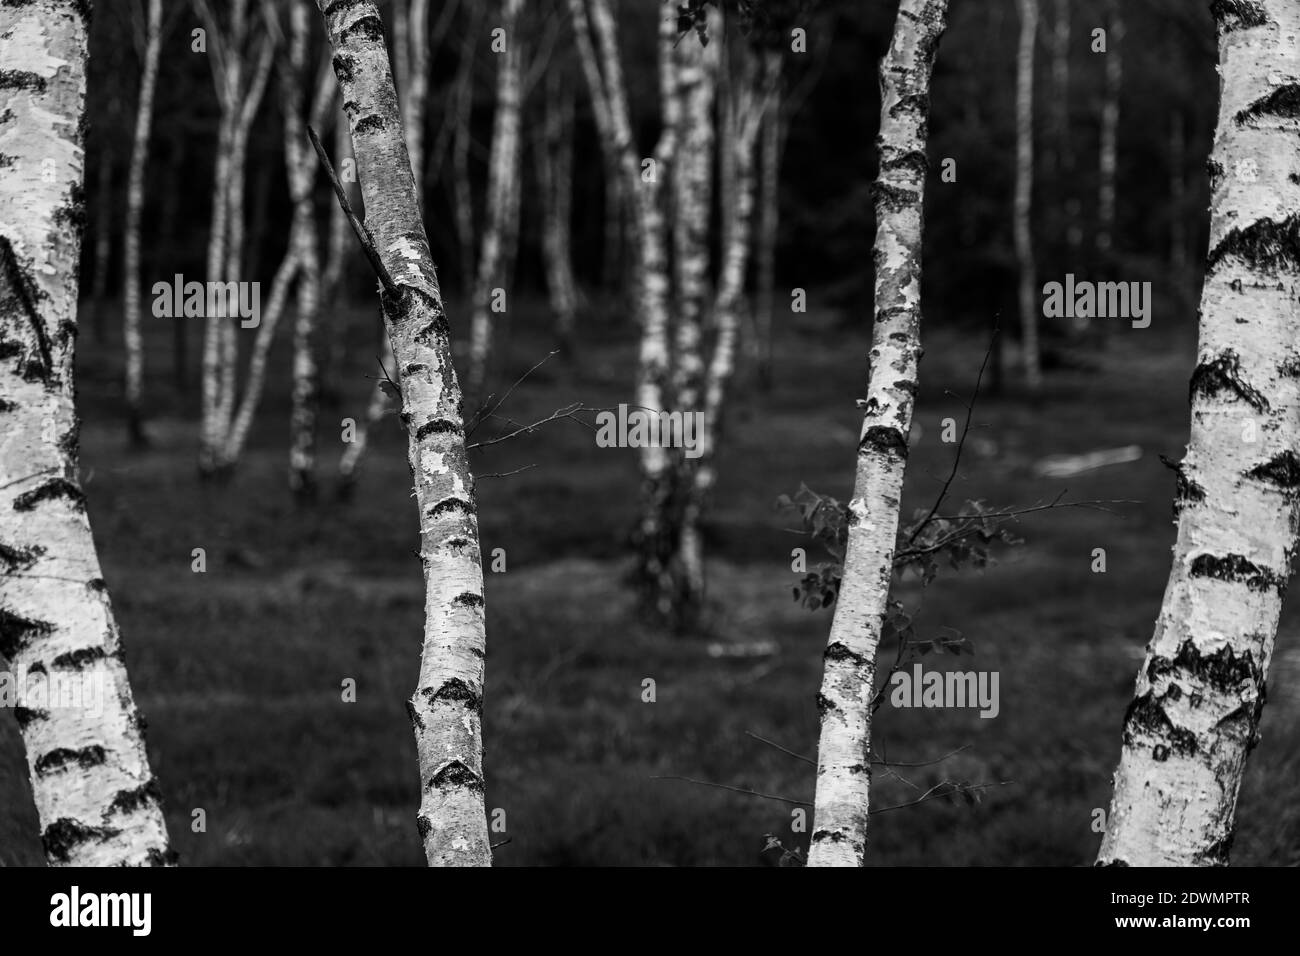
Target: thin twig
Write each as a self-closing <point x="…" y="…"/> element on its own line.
<point x="783" y="750"/>
<point x="723" y="786"/>
<point x="931" y="795"/>
<point x="363" y="234"/>
<point x="505" y="474"/>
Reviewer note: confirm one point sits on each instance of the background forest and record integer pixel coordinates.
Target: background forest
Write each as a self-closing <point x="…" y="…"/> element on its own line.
<point x="239" y="668"/>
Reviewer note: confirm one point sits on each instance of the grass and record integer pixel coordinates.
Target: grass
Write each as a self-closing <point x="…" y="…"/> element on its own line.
<point x="239" y="669"/>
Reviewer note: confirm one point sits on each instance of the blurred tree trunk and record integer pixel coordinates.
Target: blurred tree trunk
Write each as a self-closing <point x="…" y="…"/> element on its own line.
<point x="97" y="799"/>
<point x="131" y="241"/>
<point x="656" y="536"/>
<point x="171" y="194"/>
<point x="754" y="100"/>
<point x="502" y="208"/>
<point x="1023" y="208"/>
<point x="1195" y="712"/>
<point x="769" y="218"/>
<point x="334" y="289"/>
<point x="843" y="771"/>
<point x="462" y="194"/>
<point x="696" y="68"/>
<point x="1109" y="132"/>
<point x="239" y="95"/>
<point x="447" y="705"/>
<point x="553" y="155"/>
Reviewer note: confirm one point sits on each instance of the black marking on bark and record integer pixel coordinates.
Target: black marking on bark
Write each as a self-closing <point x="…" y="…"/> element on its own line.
<point x="368" y="124"/>
<point x="25" y="715"/>
<point x="1223" y="670"/>
<point x="439" y="426"/>
<point x="436" y="329"/>
<point x="58" y="759"/>
<point x="128" y="801"/>
<point x="1214" y="169"/>
<point x="16" y="632"/>
<point x="1282" y="470"/>
<point x="1224" y="374"/>
<point x="1289" y="366"/>
<point x="885" y="439"/>
<point x="824" y="705"/>
<point x="8" y="406"/>
<point x="1237" y="570"/>
<point x="64" y="835"/>
<point x="833" y="836"/>
<point x="79" y="658"/>
<point x="98" y="585"/>
<point x="19" y="559"/>
<point x="887" y="197"/>
<point x="839" y="652"/>
<point x="1264" y="244"/>
<point x="46" y="490"/>
<point x="1146" y="716"/>
<point x="1111" y="863"/>
<point x="14" y="284"/>
<point x="367" y="28"/>
<point x="456" y="774"/>
<point x="423" y="826"/>
<point x="22" y="80"/>
<point x="457" y="542"/>
<point x="468" y="599"/>
<point x="1216" y="854"/>
<point x="344" y="65"/>
<point x="455" y="689"/>
<point x="70" y="441"/>
<point x="913" y="159"/>
<point x="1238" y="14"/>
<point x="450" y="504"/>
<point x="1283" y="101"/>
<point x="859" y="768"/>
<point x="6" y="160"/>
<point x="157" y="857"/>
<point x="413" y="368"/>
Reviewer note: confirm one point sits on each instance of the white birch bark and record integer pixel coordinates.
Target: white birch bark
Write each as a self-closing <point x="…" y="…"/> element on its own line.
<point x="447" y="705"/>
<point x="1024" y="192"/>
<point x="503" y="180"/>
<point x="843" y="773"/>
<point x="1195" y="712"/>
<point x="132" y="340"/>
<point x="96" y="798"/>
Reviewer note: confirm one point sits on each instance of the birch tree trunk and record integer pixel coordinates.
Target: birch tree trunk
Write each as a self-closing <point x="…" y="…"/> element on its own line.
<point x="503" y="180"/>
<point x="553" y="154"/>
<point x="447" y="705"/>
<point x="131" y="241"/>
<point x="1023" y="205"/>
<point x="1195" y="712"/>
<point x="768" y="223"/>
<point x="843" y="774"/>
<point x="97" y="799"/>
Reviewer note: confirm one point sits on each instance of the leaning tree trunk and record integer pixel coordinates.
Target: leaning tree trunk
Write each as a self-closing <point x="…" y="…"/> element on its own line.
<point x="843" y="772"/>
<point x="97" y="799"/>
<point x="1023" y="204"/>
<point x="131" y="242"/>
<point x="447" y="705"/>
<point x="1195" y="712"/>
<point x="503" y="175"/>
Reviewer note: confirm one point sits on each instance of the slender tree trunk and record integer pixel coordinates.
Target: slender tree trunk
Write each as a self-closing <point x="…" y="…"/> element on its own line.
<point x="553" y="154"/>
<point x="1109" y="132"/>
<point x="97" y="799"/>
<point x="843" y="771"/>
<point x="334" y="289"/>
<point x="503" y="176"/>
<point x="768" y="223"/>
<point x="376" y="409"/>
<point x="1195" y="712"/>
<point x="696" y="70"/>
<point x="131" y="241"/>
<point x="462" y="195"/>
<point x="1022" y="222"/>
<point x="447" y="705"/>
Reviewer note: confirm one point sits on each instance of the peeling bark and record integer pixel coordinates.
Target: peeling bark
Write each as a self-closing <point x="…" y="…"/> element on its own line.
<point x="843" y="772"/>
<point x="1195" y="712"/>
<point x="95" y="795"/>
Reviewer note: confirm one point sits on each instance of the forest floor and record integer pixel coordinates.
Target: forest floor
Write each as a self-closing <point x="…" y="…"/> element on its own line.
<point x="239" y="669"/>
